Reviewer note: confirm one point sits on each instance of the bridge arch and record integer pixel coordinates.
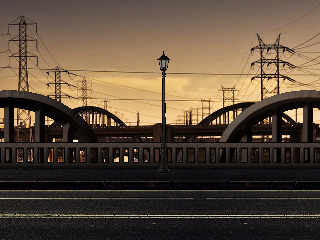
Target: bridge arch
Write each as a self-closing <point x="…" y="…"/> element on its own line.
<point x="99" y="113"/>
<point x="223" y="112"/>
<point x="215" y="115"/>
<point x="96" y="113"/>
<point x="73" y="124"/>
<point x="241" y="127"/>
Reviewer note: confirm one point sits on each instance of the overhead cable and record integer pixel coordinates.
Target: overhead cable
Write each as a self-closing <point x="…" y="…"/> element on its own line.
<point x="294" y="20"/>
<point x="307" y="40"/>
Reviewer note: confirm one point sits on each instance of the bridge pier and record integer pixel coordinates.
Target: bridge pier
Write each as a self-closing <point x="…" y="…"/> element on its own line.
<point x="277" y="134"/>
<point x="39" y="126"/>
<point x="9" y="123"/>
<point x="277" y="127"/>
<point x="67" y="133"/>
<point x="307" y="123"/>
<point x="247" y="137"/>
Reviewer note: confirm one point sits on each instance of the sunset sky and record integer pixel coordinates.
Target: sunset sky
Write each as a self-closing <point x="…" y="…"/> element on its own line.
<point x="199" y="36"/>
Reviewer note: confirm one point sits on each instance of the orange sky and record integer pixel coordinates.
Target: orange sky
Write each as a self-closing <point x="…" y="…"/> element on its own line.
<point x="198" y="36"/>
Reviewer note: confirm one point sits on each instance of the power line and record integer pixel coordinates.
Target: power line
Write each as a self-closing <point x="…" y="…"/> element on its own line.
<point x="243" y="69"/>
<point x="308" y="45"/>
<point x="145" y="99"/>
<point x="303" y="28"/>
<point x="7" y="13"/>
<point x="213" y="74"/>
<point x="48" y="50"/>
<point x="136" y="113"/>
<point x="137" y="101"/>
<point x="294" y="20"/>
<point x="307" y="41"/>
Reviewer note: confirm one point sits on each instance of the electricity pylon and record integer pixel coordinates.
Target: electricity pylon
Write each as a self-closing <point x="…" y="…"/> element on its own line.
<point x="23" y="116"/>
<point x="264" y="63"/>
<point x="57" y="83"/>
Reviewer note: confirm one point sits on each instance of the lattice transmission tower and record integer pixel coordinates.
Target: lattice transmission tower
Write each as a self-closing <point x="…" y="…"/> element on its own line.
<point x="84" y="94"/>
<point x="23" y="116"/>
<point x="57" y="83"/>
<point x="84" y="90"/>
<point x="228" y="96"/>
<point x="267" y="64"/>
<point x="205" y="107"/>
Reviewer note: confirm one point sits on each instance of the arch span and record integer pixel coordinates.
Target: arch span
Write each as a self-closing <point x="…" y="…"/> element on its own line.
<point x="110" y="115"/>
<point x="215" y="115"/>
<point x="100" y="111"/>
<point x="274" y="106"/>
<point x="73" y="124"/>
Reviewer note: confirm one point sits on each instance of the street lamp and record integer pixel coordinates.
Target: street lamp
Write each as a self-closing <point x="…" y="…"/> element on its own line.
<point x="163" y="168"/>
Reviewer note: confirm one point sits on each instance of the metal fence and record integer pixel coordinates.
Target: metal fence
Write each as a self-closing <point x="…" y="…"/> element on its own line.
<point x="141" y="155"/>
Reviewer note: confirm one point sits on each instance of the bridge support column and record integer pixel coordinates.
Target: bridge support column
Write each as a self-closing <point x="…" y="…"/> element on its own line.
<point x="67" y="133"/>
<point x="39" y="126"/>
<point x="307" y="123"/>
<point x="247" y="137"/>
<point x="8" y="123"/>
<point x="92" y="118"/>
<point x="277" y="127"/>
<point x="277" y="134"/>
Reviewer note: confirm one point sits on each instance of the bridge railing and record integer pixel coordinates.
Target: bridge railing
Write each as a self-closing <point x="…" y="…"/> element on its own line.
<point x="141" y="155"/>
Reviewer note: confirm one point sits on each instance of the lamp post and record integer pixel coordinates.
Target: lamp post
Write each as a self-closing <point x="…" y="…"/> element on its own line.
<point x="163" y="168"/>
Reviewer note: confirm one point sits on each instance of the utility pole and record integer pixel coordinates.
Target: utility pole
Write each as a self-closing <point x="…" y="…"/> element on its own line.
<point x="23" y="116"/>
<point x="265" y="61"/>
<point x="84" y="96"/>
<point x="228" y="96"/>
<point x="84" y="92"/>
<point x="205" y="105"/>
<point x="57" y="83"/>
<point x="106" y="106"/>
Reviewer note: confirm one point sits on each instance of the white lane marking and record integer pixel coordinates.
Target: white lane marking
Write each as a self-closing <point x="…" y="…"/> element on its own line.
<point x="261" y="216"/>
<point x="159" y="190"/>
<point x="265" y="198"/>
<point x="147" y="198"/>
<point x="93" y="198"/>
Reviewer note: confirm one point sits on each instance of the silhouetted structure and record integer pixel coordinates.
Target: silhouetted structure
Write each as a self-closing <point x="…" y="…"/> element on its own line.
<point x="265" y="61"/>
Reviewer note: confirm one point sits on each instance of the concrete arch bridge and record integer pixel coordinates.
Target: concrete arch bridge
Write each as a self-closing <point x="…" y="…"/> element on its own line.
<point x="241" y="128"/>
<point x="73" y="126"/>
<point x="218" y="121"/>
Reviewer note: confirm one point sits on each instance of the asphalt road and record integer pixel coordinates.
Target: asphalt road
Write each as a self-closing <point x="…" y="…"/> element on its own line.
<point x="157" y="214"/>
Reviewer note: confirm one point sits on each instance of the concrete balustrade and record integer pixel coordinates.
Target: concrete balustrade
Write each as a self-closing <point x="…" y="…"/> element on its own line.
<point x="131" y="155"/>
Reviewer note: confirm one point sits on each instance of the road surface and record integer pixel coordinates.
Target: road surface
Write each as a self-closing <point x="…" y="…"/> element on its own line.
<point x="160" y="214"/>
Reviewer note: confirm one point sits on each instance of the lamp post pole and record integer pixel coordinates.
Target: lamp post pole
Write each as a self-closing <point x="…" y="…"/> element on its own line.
<point x="163" y="168"/>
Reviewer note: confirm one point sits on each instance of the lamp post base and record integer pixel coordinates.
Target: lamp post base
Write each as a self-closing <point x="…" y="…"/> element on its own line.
<point x="163" y="169"/>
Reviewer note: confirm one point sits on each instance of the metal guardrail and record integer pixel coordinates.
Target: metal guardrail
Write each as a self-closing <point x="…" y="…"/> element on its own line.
<point x="141" y="155"/>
